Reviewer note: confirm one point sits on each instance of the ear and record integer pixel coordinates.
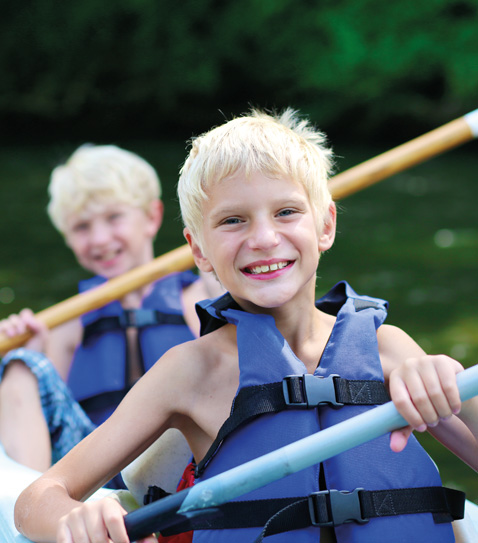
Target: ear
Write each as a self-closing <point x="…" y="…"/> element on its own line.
<point x="155" y="213"/>
<point x="200" y="259"/>
<point x="327" y="236"/>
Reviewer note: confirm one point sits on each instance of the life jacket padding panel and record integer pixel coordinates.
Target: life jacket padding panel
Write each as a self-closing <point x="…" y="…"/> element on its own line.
<point x="98" y="375"/>
<point x="352" y="353"/>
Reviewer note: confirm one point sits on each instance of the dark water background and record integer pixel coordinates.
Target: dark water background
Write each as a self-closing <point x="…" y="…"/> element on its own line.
<point x="412" y="239"/>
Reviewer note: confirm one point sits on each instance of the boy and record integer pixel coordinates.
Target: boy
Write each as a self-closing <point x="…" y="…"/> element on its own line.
<point x="105" y="201"/>
<point x="258" y="214"/>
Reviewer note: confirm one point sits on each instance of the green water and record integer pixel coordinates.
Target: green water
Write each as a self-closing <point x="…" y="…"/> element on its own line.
<point x="412" y="239"/>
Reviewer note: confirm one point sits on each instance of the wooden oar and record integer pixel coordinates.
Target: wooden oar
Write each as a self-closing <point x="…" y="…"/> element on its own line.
<point x="179" y="259"/>
<point x="405" y="156"/>
<point x="222" y="488"/>
<point x="352" y="180"/>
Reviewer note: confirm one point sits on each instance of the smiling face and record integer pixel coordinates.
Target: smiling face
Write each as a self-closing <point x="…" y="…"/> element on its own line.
<point x="112" y="238"/>
<point x="260" y="236"/>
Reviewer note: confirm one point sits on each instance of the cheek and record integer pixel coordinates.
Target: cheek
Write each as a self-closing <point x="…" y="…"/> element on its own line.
<point x="81" y="255"/>
<point x="77" y="246"/>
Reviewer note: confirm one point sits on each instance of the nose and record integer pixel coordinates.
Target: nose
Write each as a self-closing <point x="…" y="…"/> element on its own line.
<point x="263" y="235"/>
<point x="100" y="233"/>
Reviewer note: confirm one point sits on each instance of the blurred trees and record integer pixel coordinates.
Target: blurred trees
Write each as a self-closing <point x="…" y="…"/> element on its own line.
<point x="356" y="65"/>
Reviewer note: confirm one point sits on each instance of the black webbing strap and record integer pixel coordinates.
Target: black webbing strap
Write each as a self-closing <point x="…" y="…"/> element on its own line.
<point x="131" y="318"/>
<point x="310" y="391"/>
<point x="299" y="392"/>
<point x="331" y="508"/>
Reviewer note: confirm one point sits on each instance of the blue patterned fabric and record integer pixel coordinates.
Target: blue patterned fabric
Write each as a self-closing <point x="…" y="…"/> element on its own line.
<point x="67" y="422"/>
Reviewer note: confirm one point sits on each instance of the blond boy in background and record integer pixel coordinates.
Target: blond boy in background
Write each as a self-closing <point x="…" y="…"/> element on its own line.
<point x="106" y="202"/>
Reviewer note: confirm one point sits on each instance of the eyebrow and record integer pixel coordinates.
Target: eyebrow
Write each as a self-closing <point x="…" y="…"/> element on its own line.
<point x="221" y="211"/>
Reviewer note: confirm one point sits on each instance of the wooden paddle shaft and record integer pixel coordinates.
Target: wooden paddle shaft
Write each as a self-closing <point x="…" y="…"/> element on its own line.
<point x="376" y="169"/>
<point x="400" y="158"/>
<point x="179" y="259"/>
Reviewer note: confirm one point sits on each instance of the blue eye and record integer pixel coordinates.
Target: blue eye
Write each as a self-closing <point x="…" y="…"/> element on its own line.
<point x="80" y="227"/>
<point x="115" y="216"/>
<point x="286" y="212"/>
<point x="231" y="220"/>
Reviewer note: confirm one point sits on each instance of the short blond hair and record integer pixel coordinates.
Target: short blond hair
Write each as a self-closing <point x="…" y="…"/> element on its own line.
<point x="275" y="145"/>
<point x="100" y="173"/>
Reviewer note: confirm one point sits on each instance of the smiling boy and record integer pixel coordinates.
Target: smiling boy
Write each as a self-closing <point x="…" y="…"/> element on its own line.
<point x="106" y="202"/>
<point x="258" y="213"/>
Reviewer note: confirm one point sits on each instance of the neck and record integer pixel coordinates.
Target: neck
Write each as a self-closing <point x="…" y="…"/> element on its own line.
<point x="305" y="328"/>
<point x="309" y="340"/>
<point x="134" y="299"/>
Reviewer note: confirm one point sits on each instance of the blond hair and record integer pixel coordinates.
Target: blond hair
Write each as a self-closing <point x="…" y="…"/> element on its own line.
<point x="275" y="145"/>
<point x="100" y="174"/>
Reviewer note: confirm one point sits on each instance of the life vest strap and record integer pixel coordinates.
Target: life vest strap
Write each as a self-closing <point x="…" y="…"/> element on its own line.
<point x="131" y="318"/>
<point x="296" y="392"/>
<point x="310" y="391"/>
<point x="333" y="507"/>
<point x="330" y="508"/>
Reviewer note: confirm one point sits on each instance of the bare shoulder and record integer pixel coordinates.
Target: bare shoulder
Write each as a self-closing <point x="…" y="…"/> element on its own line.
<point x="206" y="351"/>
<point x="200" y="365"/>
<point x="395" y="346"/>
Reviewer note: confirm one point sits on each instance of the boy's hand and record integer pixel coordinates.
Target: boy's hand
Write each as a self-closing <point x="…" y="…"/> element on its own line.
<point x="424" y="391"/>
<point x="26" y="321"/>
<point x="96" y="522"/>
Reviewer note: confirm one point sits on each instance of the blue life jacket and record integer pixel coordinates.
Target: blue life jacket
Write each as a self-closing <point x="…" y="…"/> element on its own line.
<point x="351" y="353"/>
<point x="98" y="376"/>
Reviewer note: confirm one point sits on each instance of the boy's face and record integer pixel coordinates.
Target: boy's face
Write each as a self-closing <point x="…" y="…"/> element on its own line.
<point x="260" y="237"/>
<point x="112" y="238"/>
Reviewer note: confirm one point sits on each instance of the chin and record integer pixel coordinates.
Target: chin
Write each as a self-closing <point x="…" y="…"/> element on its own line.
<point x="109" y="272"/>
<point x="267" y="303"/>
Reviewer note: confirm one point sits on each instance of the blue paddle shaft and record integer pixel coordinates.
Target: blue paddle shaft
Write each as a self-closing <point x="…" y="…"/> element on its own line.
<point x="205" y="495"/>
<point x="307" y="451"/>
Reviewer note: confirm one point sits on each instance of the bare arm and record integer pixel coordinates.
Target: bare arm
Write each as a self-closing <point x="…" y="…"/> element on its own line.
<point x="423" y="388"/>
<point x="58" y="344"/>
<point x="24" y="431"/>
<point x="40" y="510"/>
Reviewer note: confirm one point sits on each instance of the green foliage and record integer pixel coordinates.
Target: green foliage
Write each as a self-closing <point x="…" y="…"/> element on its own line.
<point x="366" y="61"/>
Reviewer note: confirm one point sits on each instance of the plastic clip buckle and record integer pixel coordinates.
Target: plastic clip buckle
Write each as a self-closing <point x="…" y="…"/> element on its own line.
<point x="344" y="507"/>
<point x="137" y="318"/>
<point x="128" y="318"/>
<point x="317" y="390"/>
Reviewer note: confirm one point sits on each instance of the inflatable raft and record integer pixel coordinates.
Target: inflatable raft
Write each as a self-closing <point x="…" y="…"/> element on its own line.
<point x="15" y="477"/>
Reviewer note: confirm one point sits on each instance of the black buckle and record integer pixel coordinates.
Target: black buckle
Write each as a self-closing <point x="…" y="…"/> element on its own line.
<point x="344" y="507"/>
<point x="317" y="390"/>
<point x="128" y="318"/>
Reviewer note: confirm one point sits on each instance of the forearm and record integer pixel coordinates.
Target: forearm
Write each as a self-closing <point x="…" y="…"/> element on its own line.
<point x="460" y="433"/>
<point x="39" y="508"/>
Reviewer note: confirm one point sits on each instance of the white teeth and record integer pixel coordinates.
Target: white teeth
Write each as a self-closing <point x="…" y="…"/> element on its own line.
<point x="264" y="268"/>
<point x="107" y="256"/>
